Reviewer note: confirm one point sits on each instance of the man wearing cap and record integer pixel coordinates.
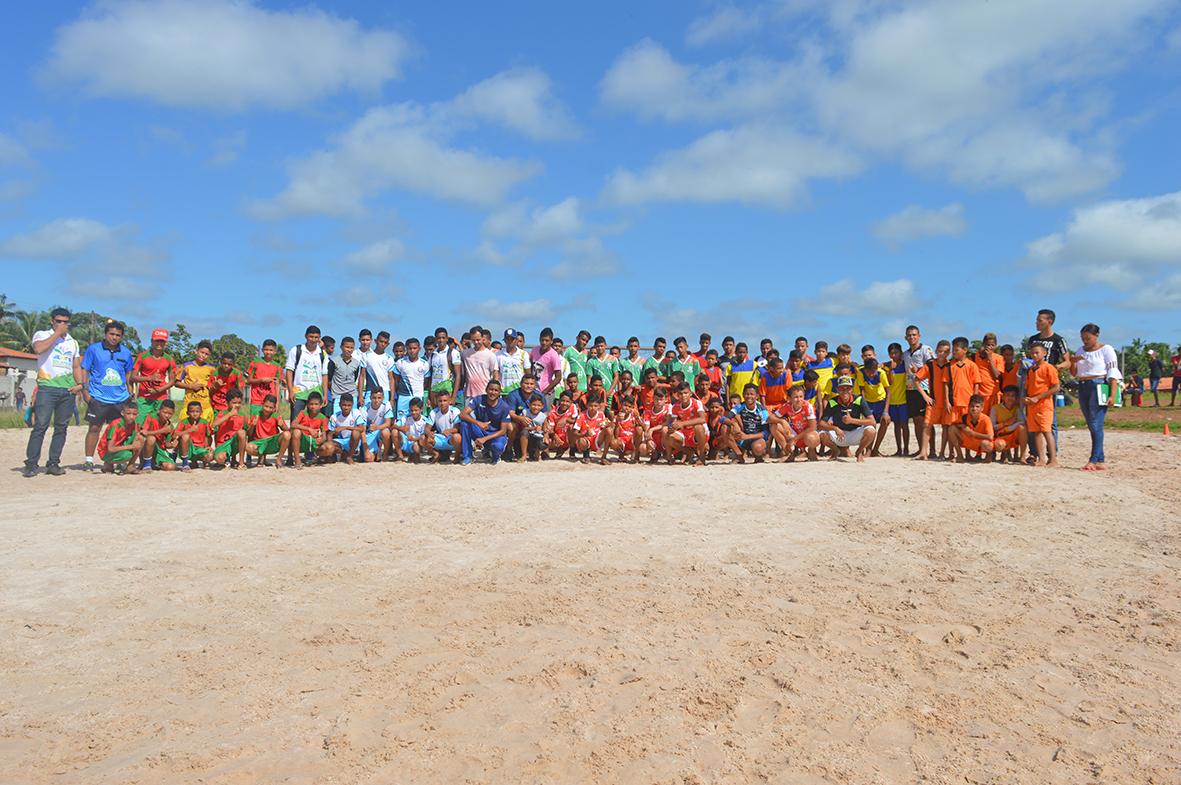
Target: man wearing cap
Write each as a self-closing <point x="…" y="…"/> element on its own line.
<point x="155" y="373"/>
<point x="58" y="379"/>
<point x="514" y="362"/>
<point x="847" y="422"/>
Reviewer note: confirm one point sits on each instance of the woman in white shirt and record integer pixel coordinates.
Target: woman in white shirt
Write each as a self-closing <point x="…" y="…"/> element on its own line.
<point x="1092" y="365"/>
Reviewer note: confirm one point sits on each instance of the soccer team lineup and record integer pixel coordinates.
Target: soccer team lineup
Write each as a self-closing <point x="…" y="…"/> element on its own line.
<point x="442" y="399"/>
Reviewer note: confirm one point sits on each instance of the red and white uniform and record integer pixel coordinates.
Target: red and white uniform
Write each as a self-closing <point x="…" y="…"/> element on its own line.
<point x="625" y="432"/>
<point x="798" y="419"/>
<point x="691" y="411"/>
<point x="562" y="422"/>
<point x="591" y="426"/>
<point x="657" y="417"/>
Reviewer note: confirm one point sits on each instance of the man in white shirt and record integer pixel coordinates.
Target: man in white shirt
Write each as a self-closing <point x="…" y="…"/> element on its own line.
<point x="378" y="365"/>
<point x="59" y="374"/>
<point x="410" y="373"/>
<point x="514" y="362"/>
<point x="307" y="371"/>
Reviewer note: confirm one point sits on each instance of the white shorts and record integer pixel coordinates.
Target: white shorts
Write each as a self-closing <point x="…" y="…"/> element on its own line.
<point x="849" y="438"/>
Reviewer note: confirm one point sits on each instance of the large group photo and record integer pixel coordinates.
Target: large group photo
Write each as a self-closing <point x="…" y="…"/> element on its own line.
<point x="702" y="393"/>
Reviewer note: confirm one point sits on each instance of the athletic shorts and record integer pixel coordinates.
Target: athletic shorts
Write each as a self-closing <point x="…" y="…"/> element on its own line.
<point x="101" y="413"/>
<point x="848" y="438"/>
<point x="1039" y="419"/>
<point x="958" y="413"/>
<point x="916" y="405"/>
<point x="228" y="447"/>
<point x="1009" y="441"/>
<point x="268" y="445"/>
<point x="801" y="443"/>
<point x="629" y="443"/>
<point x="443" y="443"/>
<point x="938" y="415"/>
<point x="343" y="442"/>
<point x="748" y="439"/>
<point x="163" y="456"/>
<point x="877" y="408"/>
<point x="690" y="435"/>
<point x="971" y="443"/>
<point x="198" y="453"/>
<point x="899" y="412"/>
<point x="147" y="409"/>
<point x="373" y="441"/>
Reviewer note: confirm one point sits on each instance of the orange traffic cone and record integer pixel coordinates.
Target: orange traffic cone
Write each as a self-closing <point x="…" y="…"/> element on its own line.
<point x="1167" y="432"/>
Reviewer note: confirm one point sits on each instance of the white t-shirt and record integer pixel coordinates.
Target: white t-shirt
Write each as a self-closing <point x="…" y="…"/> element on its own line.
<point x="445" y="421"/>
<point x="313" y="366"/>
<point x="538" y="421"/>
<point x="354" y="418"/>
<point x="411" y="374"/>
<point x="513" y="366"/>
<point x="416" y="427"/>
<point x="55" y="365"/>
<point x="380" y="414"/>
<point x="441" y="365"/>
<point x="377" y="369"/>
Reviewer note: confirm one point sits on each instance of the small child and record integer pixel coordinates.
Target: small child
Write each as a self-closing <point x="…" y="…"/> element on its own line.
<point x="194" y="436"/>
<point x="262" y="376"/>
<point x="621" y="436"/>
<point x="590" y="425"/>
<point x="745" y="427"/>
<point x="224" y="379"/>
<point x="687" y="432"/>
<point x="444" y="428"/>
<point x="309" y="432"/>
<point x="560" y="423"/>
<point x="121" y="443"/>
<point x="774" y="383"/>
<point x="267" y="433"/>
<point x="934" y="378"/>
<point x="379" y="431"/>
<point x="656" y="424"/>
<point x="346" y="427"/>
<point x="230" y="433"/>
<point x="973" y="433"/>
<point x="1008" y="426"/>
<point x="899" y="414"/>
<point x="532" y="437"/>
<point x="874" y="382"/>
<point x="793" y="426"/>
<point x="159" y="440"/>
<point x="1041" y="385"/>
<point x="410" y="436"/>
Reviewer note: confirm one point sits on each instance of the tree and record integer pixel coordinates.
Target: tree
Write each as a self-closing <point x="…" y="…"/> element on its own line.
<point x="89" y="327"/>
<point x="243" y="352"/>
<point x="1135" y="355"/>
<point x="17" y="332"/>
<point x="180" y="344"/>
<point x="7" y="307"/>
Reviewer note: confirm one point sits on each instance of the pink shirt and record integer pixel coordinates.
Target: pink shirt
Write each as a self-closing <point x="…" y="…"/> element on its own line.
<point x="479" y="365"/>
<point x="545" y="366"/>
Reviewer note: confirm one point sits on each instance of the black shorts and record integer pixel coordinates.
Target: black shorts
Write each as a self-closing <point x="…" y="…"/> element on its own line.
<point x="99" y="413"/>
<point x="916" y="405"/>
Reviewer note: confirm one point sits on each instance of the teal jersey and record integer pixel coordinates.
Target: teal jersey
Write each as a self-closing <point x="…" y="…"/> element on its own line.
<point x="690" y="368"/>
<point x="636" y="368"/>
<point x="606" y="369"/>
<point x="577" y="362"/>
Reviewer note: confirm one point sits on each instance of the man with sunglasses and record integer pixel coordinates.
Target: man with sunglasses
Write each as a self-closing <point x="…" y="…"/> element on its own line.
<point x="59" y="375"/>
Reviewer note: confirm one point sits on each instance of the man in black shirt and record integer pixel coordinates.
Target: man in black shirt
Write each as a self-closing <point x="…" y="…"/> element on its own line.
<point x="1156" y="369"/>
<point x="847" y="422"/>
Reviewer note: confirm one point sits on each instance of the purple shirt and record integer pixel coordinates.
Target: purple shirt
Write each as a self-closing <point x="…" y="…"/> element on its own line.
<point x="545" y="366"/>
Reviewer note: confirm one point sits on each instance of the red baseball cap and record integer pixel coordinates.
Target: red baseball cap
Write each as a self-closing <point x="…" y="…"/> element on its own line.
<point x="159" y="334"/>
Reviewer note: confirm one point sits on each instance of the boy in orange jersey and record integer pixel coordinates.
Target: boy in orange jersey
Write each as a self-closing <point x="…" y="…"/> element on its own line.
<point x="973" y="433"/>
<point x="267" y="433"/>
<point x="1041" y="385"/>
<point x="159" y="438"/>
<point x="774" y="382"/>
<point x="121" y="443"/>
<point x="991" y="366"/>
<point x="1008" y="426"/>
<point x="793" y="426"/>
<point x="229" y="433"/>
<point x="194" y="437"/>
<point x="965" y="379"/>
<point x="262" y="376"/>
<point x="934" y="383"/>
<point x="686" y="428"/>
<point x="224" y="379"/>
<point x="589" y="428"/>
<point x="1010" y="368"/>
<point x="309" y="432"/>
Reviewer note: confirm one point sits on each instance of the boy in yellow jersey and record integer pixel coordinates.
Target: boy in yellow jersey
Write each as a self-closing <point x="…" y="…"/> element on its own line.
<point x="741" y="371"/>
<point x="874" y="382"/>
<point x="897" y="400"/>
<point x="1008" y="426"/>
<point x="195" y="378"/>
<point x="823" y="366"/>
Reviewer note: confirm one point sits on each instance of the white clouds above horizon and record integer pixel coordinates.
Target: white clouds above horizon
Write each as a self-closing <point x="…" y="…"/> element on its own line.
<point x="377" y="256"/>
<point x="521" y="231"/>
<point x="913" y="222"/>
<point x="844" y="298"/>
<point x="1120" y="243"/>
<point x="520" y="99"/>
<point x="225" y="55"/>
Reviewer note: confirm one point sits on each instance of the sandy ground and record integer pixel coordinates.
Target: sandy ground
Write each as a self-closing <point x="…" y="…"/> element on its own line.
<point x="825" y="623"/>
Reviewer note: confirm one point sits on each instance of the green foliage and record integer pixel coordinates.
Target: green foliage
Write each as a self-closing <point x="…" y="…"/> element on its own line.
<point x="7" y="307"/>
<point x="180" y="344"/>
<point x="16" y="332"/>
<point x="243" y="352"/>
<point x="89" y="327"/>
<point x="1135" y="356"/>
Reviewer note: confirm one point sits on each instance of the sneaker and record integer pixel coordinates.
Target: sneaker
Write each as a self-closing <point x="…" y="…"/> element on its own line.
<point x="89" y="466"/>
<point x="466" y="462"/>
<point x="55" y="470"/>
<point x="29" y="471"/>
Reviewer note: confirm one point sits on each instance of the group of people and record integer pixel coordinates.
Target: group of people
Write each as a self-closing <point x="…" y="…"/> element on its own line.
<point x="445" y="399"/>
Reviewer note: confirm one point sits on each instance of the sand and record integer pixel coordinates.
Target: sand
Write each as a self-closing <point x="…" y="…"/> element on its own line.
<point x="826" y="623"/>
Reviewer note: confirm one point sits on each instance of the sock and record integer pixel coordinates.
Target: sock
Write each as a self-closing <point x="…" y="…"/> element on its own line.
<point x="586" y="453"/>
<point x="90" y="459"/>
<point x="184" y="462"/>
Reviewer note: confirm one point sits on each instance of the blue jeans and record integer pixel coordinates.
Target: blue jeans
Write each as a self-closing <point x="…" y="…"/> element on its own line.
<point x="470" y="432"/>
<point x="1094" y="414"/>
<point x="56" y="404"/>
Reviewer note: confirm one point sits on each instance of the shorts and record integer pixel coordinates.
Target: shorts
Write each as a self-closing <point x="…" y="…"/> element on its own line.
<point x="916" y="405"/>
<point x="163" y="456"/>
<point x="748" y="439"/>
<point x="198" y="453"/>
<point x="403" y="407"/>
<point x="268" y="445"/>
<point x="445" y="386"/>
<point x="342" y="442"/>
<point x="690" y="435"/>
<point x="99" y="413"/>
<point x="562" y="437"/>
<point x="307" y="444"/>
<point x="593" y="436"/>
<point x="848" y="438"/>
<point x="899" y="412"/>
<point x="628" y="443"/>
<point x="877" y="408"/>
<point x="973" y="444"/>
<point x="443" y="443"/>
<point x="958" y="413"/>
<point x="147" y="409"/>
<point x="801" y="443"/>
<point x="937" y="414"/>
<point x="1039" y="419"/>
<point x="373" y="441"/>
<point x="1009" y="441"/>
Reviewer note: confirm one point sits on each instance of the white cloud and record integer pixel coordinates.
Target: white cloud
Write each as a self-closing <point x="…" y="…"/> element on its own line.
<point x="512" y="312"/>
<point x="1118" y="243"/>
<point x="524" y="231"/>
<point x="1160" y="296"/>
<point x="227" y="149"/>
<point x="646" y="79"/>
<point x="751" y="164"/>
<point x="116" y="288"/>
<point x="59" y="239"/>
<point x="723" y="24"/>
<point x="538" y="226"/>
<point x="843" y="298"/>
<point x="520" y="99"/>
<point x="221" y="54"/>
<point x="392" y="147"/>
<point x="375" y="257"/>
<point x="913" y="222"/>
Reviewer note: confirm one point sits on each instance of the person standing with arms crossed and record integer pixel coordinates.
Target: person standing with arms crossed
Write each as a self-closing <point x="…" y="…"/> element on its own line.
<point x="59" y="378"/>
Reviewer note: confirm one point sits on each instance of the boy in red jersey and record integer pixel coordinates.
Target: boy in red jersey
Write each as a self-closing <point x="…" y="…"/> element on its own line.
<point x="262" y="376"/>
<point x="159" y="439"/>
<point x="686" y="428"/>
<point x="121" y="442"/>
<point x="309" y="432"/>
<point x="229" y="433"/>
<point x="193" y="436"/>
<point x="588" y="428"/>
<point x="155" y="373"/>
<point x="224" y="379"/>
<point x="267" y="433"/>
<point x="622" y="434"/>
<point x="656" y="423"/>
<point x="560" y="422"/>
<point x="793" y="426"/>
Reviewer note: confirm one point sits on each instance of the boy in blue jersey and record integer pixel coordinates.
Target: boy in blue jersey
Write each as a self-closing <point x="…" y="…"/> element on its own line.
<point x="747" y="426"/>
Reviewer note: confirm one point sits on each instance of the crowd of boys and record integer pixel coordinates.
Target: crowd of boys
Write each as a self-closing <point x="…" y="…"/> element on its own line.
<point x="442" y="399"/>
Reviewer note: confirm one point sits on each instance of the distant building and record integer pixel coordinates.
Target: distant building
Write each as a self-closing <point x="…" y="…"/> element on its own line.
<point x="16" y="369"/>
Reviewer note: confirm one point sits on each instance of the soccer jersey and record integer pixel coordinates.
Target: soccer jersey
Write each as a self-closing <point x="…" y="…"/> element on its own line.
<point x="691" y="411"/>
<point x="625" y="429"/>
<point x="265" y="427"/>
<point x="636" y="367"/>
<point x="714" y="373"/>
<point x="261" y="369"/>
<point x="107" y="370"/>
<point x="741" y="374"/>
<point x="824" y="370"/>
<point x="773" y="389"/>
<point x="155" y="424"/>
<point x="117" y="435"/>
<point x="938" y="379"/>
<point x="605" y="369"/>
<point x="751" y="420"/>
<point x="689" y="367"/>
<point x="898" y="384"/>
<point x="495" y="414"/>
<point x="411" y="376"/>
<point x="589" y="424"/>
<point x="311" y="424"/>
<point x="988" y="385"/>
<point x="229" y="427"/>
<point x="875" y="387"/>
<point x="377" y="371"/>
<point x="982" y="425"/>
<point x="512" y="367"/>
<point x="148" y="364"/>
<point x="835" y="411"/>
<point x="192" y="373"/>
<point x="656" y="417"/>
<point x="199" y="432"/>
<point x="351" y="420"/>
<point x="577" y="362"/>
<point x="1010" y="376"/>
<point x="224" y="382"/>
<point x="415" y="428"/>
<point x="380" y="414"/>
<point x="799" y="418"/>
<point x="445" y="420"/>
<point x="964" y="378"/>
<point x="1006" y="419"/>
<point x="1039" y="379"/>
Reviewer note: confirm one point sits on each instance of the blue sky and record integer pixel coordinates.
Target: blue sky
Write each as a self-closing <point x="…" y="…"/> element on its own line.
<point x="834" y="169"/>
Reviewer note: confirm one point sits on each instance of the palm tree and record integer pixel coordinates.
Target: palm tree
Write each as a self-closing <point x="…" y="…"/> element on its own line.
<point x="17" y="331"/>
<point x="6" y="307"/>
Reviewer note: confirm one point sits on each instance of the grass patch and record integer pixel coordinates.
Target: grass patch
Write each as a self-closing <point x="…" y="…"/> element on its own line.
<point x="1125" y="418"/>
